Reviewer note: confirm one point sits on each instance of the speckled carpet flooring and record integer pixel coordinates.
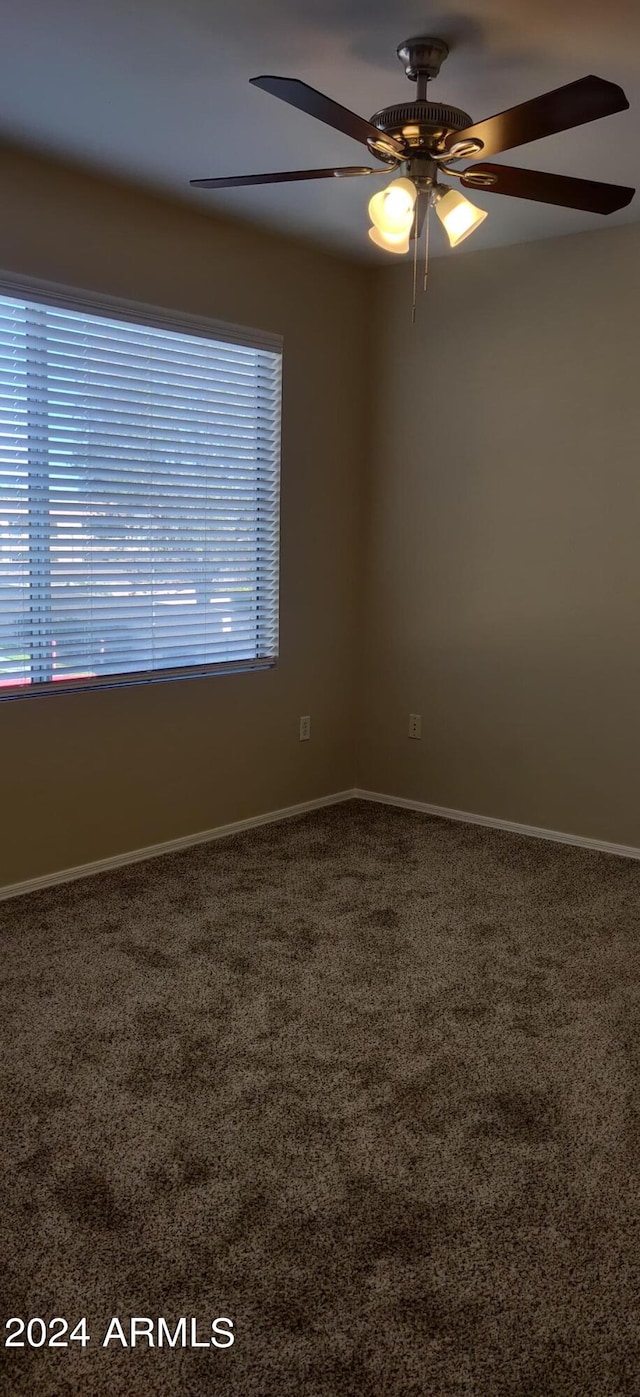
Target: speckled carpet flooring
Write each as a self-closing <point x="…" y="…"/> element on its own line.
<point x="366" y="1083"/>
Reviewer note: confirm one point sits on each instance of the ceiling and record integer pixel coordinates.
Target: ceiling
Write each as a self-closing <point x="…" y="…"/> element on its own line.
<point x="157" y="91"/>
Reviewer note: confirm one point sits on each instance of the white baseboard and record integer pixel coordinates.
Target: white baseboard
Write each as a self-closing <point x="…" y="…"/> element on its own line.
<point x="170" y="846"/>
<point x="581" y="841"/>
<point x="187" y="841"/>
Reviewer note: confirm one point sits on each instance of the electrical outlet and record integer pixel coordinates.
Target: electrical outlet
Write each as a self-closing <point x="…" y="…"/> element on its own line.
<point x="415" y="725"/>
<point x="305" y="728"/>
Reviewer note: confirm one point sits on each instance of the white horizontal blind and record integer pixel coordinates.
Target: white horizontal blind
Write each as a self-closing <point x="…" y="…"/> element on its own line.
<point x="139" y="499"/>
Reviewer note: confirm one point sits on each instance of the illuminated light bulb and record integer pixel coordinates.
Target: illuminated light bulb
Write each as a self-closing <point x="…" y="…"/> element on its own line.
<point x="458" y="216"/>
<point x="391" y="210"/>
<point x="391" y="242"/>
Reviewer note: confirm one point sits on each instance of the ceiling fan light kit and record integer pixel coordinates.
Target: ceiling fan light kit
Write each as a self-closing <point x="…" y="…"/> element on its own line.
<point x="423" y="139"/>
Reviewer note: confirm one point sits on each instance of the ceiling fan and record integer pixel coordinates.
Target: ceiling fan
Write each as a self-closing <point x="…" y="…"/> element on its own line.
<point x="425" y="139"/>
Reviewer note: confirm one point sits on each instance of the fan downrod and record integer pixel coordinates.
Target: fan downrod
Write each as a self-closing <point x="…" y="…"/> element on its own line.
<point x="422" y="58"/>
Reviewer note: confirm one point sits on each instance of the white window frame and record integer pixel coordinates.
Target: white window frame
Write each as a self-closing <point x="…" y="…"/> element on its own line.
<point x="142" y="314"/>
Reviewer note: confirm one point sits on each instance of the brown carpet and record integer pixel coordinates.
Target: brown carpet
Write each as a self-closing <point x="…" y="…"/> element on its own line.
<point x="365" y="1082"/>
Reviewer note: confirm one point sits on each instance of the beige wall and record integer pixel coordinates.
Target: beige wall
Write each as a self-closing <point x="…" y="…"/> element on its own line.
<point x="88" y="775"/>
<point x="504" y="548"/>
<point x="495" y="474"/>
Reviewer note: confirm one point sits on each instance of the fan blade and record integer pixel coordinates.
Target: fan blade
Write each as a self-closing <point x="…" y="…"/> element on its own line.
<point x="308" y="99"/>
<point x="282" y="177"/>
<point x="573" y="105"/>
<point x="588" y="194"/>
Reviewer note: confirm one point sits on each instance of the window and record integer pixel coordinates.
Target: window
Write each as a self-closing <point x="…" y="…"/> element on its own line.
<point x="139" y="494"/>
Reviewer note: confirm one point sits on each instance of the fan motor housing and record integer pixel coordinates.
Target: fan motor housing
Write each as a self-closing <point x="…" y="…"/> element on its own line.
<point x="421" y="126"/>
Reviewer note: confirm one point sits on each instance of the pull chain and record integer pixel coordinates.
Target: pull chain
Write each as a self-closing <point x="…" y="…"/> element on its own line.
<point x="426" y="244"/>
<point x="416" y="239"/>
<point x="415" y="261"/>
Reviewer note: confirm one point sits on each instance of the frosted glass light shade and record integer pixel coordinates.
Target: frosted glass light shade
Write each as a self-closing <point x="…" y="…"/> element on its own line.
<point x="458" y="216"/>
<point x="391" y="210"/>
<point x="391" y="242"/>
